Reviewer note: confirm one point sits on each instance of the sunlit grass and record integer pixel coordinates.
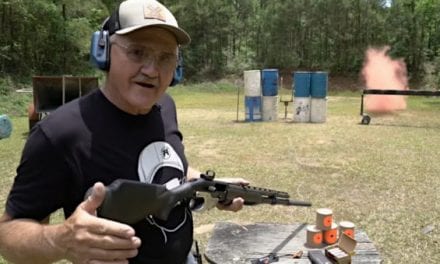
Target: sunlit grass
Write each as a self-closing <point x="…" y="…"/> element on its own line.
<point x="383" y="177"/>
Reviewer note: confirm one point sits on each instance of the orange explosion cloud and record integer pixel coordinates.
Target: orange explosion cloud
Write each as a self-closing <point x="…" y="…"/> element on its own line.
<point x="380" y="71"/>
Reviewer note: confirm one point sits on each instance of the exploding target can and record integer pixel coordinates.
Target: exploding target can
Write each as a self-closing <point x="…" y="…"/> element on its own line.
<point x="347" y="228"/>
<point x="314" y="236"/>
<point x="324" y="218"/>
<point x="331" y="235"/>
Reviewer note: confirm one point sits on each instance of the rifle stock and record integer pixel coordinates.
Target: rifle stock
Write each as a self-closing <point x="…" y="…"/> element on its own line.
<point x="129" y="201"/>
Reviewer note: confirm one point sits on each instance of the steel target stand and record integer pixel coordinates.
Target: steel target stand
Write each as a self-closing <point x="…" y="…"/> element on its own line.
<point x="366" y="118"/>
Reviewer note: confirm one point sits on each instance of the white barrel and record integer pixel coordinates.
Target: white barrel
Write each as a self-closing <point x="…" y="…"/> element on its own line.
<point x="252" y="83"/>
<point x="318" y="110"/>
<point x="269" y="108"/>
<point x="301" y="109"/>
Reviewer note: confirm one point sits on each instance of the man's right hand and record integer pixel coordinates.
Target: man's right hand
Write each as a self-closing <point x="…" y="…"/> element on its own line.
<point x="86" y="238"/>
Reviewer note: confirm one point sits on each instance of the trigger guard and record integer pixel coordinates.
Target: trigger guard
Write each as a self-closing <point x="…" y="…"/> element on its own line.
<point x="202" y="202"/>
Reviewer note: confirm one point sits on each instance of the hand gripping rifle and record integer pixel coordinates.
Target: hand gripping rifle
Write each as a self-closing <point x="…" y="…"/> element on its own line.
<point x="129" y="201"/>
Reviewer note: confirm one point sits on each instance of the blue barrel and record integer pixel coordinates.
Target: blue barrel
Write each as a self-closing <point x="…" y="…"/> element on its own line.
<point x="5" y="126"/>
<point x="270" y="82"/>
<point x="301" y="82"/>
<point x="318" y="84"/>
<point x="252" y="106"/>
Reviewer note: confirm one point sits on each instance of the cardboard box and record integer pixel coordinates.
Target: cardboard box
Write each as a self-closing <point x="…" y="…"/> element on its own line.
<point x="342" y="252"/>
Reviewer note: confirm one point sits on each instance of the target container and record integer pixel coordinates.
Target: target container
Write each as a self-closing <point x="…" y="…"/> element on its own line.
<point x="330" y="236"/>
<point x="343" y="251"/>
<point x="347" y="228"/>
<point x="314" y="236"/>
<point x="324" y="218"/>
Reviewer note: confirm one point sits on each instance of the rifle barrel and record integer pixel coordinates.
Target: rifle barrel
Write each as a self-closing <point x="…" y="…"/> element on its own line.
<point x="284" y="201"/>
<point x="299" y="203"/>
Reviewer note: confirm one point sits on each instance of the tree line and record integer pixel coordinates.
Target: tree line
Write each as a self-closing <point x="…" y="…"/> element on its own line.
<point x="52" y="37"/>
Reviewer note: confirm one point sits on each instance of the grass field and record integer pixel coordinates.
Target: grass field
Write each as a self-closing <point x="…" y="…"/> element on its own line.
<point x="384" y="177"/>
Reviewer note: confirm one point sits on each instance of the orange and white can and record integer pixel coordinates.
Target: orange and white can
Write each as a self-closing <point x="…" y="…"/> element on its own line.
<point x="347" y="228"/>
<point x="324" y="218"/>
<point x="314" y="236"/>
<point x="331" y="235"/>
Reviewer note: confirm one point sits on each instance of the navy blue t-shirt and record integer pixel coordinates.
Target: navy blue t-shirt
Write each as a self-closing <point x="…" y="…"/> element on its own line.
<point x="90" y="140"/>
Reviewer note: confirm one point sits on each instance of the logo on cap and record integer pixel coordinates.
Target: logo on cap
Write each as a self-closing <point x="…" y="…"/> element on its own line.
<point x="152" y="11"/>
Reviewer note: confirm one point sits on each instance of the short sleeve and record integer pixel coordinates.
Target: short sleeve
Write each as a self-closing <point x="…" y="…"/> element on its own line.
<point x="39" y="187"/>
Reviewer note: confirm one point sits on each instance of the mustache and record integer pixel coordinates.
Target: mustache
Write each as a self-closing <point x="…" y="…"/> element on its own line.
<point x="145" y="79"/>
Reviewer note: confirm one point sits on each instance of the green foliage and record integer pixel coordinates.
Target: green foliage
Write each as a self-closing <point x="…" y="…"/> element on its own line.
<point x="44" y="37"/>
<point x="5" y="86"/>
<point x="383" y="177"/>
<point x="15" y="104"/>
<point x="431" y="79"/>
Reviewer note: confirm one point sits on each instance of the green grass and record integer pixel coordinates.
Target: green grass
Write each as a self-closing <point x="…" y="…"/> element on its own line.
<point x="383" y="177"/>
<point x="15" y="104"/>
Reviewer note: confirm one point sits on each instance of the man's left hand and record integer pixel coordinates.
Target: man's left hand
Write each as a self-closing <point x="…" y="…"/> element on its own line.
<point x="237" y="203"/>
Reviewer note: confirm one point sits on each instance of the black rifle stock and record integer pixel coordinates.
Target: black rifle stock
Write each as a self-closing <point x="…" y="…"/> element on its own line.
<point x="129" y="201"/>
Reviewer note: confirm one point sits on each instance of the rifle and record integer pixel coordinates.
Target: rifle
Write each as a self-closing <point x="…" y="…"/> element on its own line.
<point x="130" y="201"/>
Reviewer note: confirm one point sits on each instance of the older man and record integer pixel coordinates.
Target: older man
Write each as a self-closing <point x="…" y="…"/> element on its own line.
<point x="119" y="131"/>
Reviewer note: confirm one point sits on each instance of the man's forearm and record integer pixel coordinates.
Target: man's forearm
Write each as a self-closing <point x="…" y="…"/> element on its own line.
<point x="27" y="241"/>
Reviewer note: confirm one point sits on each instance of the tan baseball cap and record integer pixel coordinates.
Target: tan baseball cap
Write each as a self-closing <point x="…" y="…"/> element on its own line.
<point x="137" y="14"/>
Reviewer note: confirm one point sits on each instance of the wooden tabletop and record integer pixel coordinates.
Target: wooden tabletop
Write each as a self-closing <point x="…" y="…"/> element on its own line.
<point x="233" y="243"/>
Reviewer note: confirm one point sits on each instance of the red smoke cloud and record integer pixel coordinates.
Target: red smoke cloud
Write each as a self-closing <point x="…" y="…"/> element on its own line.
<point x="380" y="71"/>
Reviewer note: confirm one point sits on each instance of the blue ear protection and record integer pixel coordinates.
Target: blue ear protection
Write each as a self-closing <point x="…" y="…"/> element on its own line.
<point x="178" y="73"/>
<point x="100" y="48"/>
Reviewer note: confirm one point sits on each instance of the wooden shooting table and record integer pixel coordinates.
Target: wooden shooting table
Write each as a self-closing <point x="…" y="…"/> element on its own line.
<point x="233" y="243"/>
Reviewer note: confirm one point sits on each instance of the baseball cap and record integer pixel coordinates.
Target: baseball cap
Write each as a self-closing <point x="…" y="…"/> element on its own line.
<point x="136" y="14"/>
